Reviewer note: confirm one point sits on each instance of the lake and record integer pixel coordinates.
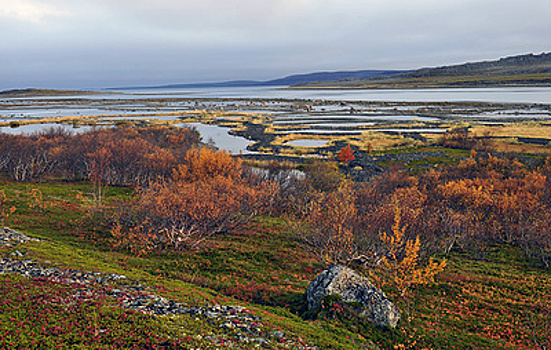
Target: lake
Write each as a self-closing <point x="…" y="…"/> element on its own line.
<point x="499" y="95"/>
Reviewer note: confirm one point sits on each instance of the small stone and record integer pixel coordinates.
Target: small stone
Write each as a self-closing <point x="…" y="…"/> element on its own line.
<point x="227" y="325"/>
<point x="260" y="341"/>
<point x="278" y="334"/>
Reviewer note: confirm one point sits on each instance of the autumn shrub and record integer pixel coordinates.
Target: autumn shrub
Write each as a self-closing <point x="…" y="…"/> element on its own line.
<point x="327" y="225"/>
<point x="205" y="164"/>
<point x="296" y="191"/>
<point x="129" y="155"/>
<point x="322" y="175"/>
<point x="6" y="209"/>
<point x="477" y="203"/>
<point x="290" y="194"/>
<point x="462" y="138"/>
<point x="346" y="154"/>
<point x="206" y="196"/>
<point x="399" y="264"/>
<point x="400" y="258"/>
<point x="25" y="159"/>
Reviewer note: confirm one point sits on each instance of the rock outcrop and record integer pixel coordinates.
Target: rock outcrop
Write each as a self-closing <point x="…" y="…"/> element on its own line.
<point x="353" y="288"/>
<point x="239" y="327"/>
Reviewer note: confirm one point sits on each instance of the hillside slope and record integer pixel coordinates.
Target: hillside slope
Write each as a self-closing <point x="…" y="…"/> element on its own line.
<point x="288" y="80"/>
<point x="523" y="70"/>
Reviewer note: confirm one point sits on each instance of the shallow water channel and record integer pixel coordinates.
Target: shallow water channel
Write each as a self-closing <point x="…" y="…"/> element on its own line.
<point x="219" y="136"/>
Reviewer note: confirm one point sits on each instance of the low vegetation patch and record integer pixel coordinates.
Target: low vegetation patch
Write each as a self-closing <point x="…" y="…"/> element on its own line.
<point x="202" y="228"/>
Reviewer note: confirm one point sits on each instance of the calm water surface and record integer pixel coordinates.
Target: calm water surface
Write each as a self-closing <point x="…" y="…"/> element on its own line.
<point x="34" y="128"/>
<point x="308" y="143"/>
<point x="499" y="95"/>
<point x="220" y="137"/>
<point x="235" y="145"/>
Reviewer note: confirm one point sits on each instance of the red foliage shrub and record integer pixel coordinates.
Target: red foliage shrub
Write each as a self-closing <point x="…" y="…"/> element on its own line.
<point x="346" y="154"/>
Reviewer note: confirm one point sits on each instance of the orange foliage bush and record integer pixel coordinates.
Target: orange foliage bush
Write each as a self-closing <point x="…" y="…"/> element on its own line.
<point x="183" y="214"/>
<point x="206" y="196"/>
<point x="469" y="206"/>
<point x="206" y="164"/>
<point x="400" y="262"/>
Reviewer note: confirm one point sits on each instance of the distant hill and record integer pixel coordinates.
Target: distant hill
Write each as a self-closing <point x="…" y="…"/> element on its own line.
<point x="31" y="92"/>
<point x="329" y="76"/>
<point x="523" y="70"/>
<point x="286" y="81"/>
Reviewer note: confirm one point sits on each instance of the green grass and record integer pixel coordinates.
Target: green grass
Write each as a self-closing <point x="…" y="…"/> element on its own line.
<point x="474" y="304"/>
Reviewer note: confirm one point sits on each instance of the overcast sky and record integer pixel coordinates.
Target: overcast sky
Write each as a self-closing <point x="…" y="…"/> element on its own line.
<point x="106" y="43"/>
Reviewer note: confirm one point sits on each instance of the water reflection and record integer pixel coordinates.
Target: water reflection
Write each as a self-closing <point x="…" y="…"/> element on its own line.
<point x="220" y="137"/>
<point x="502" y="95"/>
<point x="307" y="143"/>
<point x="35" y="128"/>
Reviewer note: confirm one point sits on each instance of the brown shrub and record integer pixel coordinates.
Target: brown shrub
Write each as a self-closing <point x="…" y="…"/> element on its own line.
<point x="137" y="156"/>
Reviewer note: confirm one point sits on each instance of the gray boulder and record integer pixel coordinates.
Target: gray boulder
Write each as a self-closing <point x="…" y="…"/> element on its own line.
<point x="353" y="287"/>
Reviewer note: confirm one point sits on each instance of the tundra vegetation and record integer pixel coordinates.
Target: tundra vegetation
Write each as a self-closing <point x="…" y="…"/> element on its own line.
<point x="464" y="248"/>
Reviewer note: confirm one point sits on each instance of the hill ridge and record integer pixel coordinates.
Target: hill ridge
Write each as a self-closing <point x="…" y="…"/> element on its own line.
<point x="287" y="80"/>
<point x="520" y="70"/>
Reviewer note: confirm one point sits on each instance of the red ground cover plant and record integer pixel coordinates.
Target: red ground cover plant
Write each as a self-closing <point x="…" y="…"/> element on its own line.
<point x="39" y="314"/>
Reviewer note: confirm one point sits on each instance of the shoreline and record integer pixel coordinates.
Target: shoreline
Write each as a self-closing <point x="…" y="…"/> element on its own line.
<point x="417" y="87"/>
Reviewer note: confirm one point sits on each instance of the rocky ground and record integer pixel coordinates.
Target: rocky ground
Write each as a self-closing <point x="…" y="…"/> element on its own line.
<point x="237" y="324"/>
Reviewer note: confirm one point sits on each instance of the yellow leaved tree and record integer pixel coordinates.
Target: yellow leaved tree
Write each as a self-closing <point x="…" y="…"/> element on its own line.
<point x="400" y="266"/>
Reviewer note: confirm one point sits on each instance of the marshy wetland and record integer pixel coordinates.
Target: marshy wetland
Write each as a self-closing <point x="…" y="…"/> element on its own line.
<point x="295" y="128"/>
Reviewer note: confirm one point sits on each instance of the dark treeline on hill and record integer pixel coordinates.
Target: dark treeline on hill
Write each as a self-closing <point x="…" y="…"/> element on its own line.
<point x="522" y="70"/>
<point x="523" y="64"/>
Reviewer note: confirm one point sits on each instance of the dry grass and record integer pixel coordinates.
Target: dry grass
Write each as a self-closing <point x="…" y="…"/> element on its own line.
<point x="380" y="141"/>
<point x="513" y="147"/>
<point x="94" y="119"/>
<point x="523" y="129"/>
<point x="506" y="136"/>
<point x="282" y="139"/>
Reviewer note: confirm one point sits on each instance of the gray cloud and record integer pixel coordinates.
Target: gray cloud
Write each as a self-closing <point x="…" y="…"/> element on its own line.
<point x="80" y="43"/>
